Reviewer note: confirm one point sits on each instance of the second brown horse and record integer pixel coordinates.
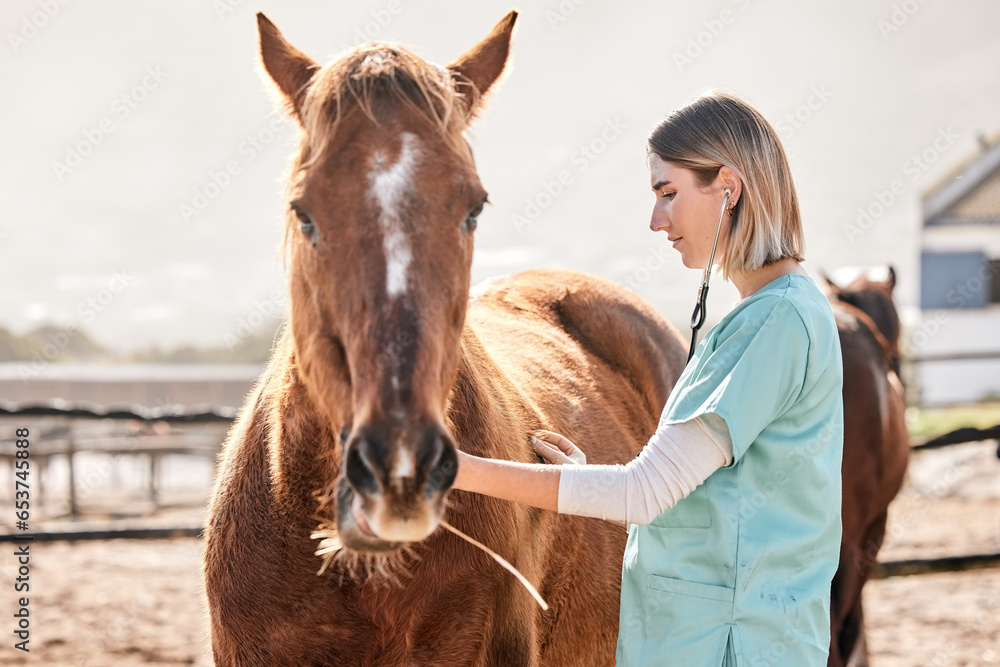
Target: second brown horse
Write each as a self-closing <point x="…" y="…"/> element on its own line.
<point x="876" y="448"/>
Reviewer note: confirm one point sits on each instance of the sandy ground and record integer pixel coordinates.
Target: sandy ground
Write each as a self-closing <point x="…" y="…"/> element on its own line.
<point x="132" y="602"/>
<point x="949" y="506"/>
<point x="125" y="602"/>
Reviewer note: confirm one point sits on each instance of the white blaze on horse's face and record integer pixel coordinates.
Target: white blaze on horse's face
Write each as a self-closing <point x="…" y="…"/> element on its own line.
<point x="405" y="464"/>
<point x="388" y="187"/>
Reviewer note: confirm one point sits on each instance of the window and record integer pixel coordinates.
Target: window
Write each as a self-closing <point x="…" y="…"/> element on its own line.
<point x="995" y="290"/>
<point x="957" y="280"/>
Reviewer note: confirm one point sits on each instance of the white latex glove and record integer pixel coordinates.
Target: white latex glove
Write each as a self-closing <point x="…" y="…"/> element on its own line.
<point x="556" y="448"/>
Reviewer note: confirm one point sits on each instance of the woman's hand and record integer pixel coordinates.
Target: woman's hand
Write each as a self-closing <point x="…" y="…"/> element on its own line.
<point x="556" y="448"/>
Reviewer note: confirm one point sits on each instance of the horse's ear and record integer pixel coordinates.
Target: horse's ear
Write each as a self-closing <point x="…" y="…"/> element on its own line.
<point x="890" y="282"/>
<point x="478" y="69"/>
<point x="289" y="68"/>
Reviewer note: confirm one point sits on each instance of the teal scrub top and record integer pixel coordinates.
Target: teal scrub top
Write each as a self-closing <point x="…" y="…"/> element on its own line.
<point x="739" y="571"/>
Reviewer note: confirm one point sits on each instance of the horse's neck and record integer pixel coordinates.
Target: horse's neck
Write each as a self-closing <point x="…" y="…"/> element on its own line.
<point x="297" y="424"/>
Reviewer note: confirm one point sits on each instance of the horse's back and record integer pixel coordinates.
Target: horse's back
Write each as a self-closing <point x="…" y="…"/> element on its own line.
<point x="563" y="336"/>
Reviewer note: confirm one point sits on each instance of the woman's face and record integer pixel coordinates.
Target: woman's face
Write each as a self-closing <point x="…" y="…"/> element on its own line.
<point x="686" y="211"/>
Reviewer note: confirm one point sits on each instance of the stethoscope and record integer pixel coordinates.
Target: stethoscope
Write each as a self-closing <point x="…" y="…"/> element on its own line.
<point x="698" y="316"/>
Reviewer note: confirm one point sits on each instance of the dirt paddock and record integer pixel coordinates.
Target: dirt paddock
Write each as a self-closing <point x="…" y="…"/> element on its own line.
<point x="138" y="602"/>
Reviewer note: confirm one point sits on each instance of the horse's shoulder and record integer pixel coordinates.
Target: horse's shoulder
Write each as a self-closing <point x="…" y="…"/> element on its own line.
<point x="606" y="321"/>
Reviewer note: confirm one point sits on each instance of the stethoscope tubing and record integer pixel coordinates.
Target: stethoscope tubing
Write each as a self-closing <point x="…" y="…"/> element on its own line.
<point x="698" y="316"/>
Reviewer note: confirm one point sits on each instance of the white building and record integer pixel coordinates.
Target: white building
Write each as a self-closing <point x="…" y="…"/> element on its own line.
<point x="955" y="347"/>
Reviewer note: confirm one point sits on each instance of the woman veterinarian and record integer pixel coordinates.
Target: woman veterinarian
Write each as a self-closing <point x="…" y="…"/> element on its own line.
<point x="734" y="504"/>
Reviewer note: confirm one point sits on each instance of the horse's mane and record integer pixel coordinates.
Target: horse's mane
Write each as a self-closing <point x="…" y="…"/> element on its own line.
<point x="374" y="73"/>
<point x="851" y="318"/>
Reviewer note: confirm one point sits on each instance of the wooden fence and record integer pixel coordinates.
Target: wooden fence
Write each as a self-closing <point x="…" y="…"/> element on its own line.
<point x="59" y="441"/>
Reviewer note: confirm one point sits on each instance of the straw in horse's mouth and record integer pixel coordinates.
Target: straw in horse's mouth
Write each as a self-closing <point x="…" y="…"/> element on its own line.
<point x="503" y="562"/>
<point x="331" y="547"/>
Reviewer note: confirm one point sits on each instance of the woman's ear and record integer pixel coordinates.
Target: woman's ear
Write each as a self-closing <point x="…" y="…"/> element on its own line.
<point x="728" y="178"/>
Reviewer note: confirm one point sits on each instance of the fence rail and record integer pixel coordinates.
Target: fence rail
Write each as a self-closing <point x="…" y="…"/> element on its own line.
<point x="899" y="568"/>
<point x="105" y="533"/>
<point x="955" y="356"/>
<point x="174" y="414"/>
<point x="959" y="436"/>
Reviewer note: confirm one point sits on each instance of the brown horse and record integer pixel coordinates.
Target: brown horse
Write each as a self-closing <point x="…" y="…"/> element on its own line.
<point x="876" y="448"/>
<point x="384" y="366"/>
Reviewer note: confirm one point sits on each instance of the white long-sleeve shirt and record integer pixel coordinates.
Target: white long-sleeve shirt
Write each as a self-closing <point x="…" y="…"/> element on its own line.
<point x="673" y="463"/>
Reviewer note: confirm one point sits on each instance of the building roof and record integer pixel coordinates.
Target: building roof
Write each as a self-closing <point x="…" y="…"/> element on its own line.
<point x="970" y="194"/>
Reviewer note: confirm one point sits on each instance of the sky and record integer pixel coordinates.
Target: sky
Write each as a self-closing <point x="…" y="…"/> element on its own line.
<point x="143" y="160"/>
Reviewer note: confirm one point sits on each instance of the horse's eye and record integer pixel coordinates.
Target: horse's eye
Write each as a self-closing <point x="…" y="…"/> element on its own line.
<point x="472" y="218"/>
<point x="306" y="225"/>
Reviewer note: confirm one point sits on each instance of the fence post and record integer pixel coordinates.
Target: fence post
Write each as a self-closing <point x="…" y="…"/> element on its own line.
<point x="70" y="450"/>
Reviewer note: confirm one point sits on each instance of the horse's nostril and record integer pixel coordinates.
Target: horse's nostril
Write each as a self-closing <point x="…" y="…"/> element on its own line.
<point x="442" y="464"/>
<point x="358" y="470"/>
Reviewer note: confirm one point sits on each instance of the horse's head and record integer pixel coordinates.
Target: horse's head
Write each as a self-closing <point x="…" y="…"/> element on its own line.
<point x="873" y="298"/>
<point x="382" y="203"/>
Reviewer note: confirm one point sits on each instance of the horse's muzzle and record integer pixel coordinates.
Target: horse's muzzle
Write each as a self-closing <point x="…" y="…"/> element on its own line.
<point x="399" y="476"/>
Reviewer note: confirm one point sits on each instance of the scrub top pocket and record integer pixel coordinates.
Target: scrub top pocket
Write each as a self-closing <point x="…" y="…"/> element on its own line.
<point x="687" y="623"/>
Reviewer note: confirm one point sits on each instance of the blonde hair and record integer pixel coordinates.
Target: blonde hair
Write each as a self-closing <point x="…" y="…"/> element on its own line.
<point x="719" y="129"/>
